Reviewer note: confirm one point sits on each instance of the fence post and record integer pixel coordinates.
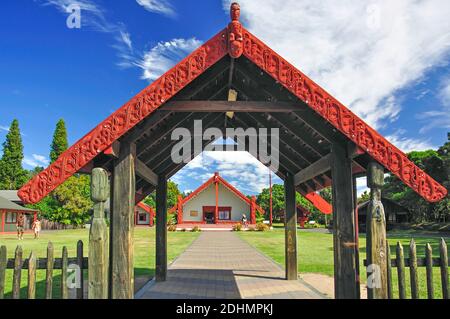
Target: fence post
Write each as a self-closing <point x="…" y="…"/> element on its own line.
<point x="413" y="270"/>
<point x="401" y="271"/>
<point x="98" y="237"/>
<point x="32" y="261"/>
<point x="49" y="272"/>
<point x="64" y="266"/>
<point x="3" y="264"/>
<point x="17" y="272"/>
<point x="376" y="232"/>
<point x="444" y="268"/>
<point x="429" y="265"/>
<point x="389" y="270"/>
<point x="80" y="290"/>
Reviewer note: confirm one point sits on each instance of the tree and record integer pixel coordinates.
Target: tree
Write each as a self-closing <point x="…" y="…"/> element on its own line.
<point x="12" y="174"/>
<point x="59" y="143"/>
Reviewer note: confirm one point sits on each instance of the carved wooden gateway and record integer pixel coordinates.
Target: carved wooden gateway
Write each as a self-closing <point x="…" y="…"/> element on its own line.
<point x="321" y="143"/>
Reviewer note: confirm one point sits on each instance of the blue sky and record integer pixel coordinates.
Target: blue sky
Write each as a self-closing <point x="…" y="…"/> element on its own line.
<point x="387" y="62"/>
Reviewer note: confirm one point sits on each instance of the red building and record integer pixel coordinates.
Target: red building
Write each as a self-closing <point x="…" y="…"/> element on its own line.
<point x="144" y="215"/>
<point x="216" y="202"/>
<point x="8" y="215"/>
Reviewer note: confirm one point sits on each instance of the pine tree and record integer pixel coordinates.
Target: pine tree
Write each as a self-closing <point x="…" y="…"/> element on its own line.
<point x="59" y="143"/>
<point x="12" y="174"/>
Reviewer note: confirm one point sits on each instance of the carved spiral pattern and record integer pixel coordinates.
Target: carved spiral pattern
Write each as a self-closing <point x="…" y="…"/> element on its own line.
<point x="130" y="114"/>
<point x="342" y="118"/>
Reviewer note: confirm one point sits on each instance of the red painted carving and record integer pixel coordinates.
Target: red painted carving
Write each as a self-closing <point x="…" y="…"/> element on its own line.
<point x="125" y="118"/>
<point x="342" y="118"/>
<point x="235" y="48"/>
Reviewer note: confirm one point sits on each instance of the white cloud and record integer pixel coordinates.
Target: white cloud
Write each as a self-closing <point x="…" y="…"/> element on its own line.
<point x="439" y="118"/>
<point x="93" y="17"/>
<point x="158" y="6"/>
<point x="36" y="160"/>
<point x="240" y="169"/>
<point x="407" y="145"/>
<point x="361" y="52"/>
<point x="165" y="55"/>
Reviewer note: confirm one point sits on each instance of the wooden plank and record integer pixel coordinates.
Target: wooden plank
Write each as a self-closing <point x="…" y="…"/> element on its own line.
<point x="231" y="106"/>
<point x="444" y="268"/>
<point x="80" y="257"/>
<point x="376" y="234"/>
<point x="414" y="279"/>
<point x="315" y="169"/>
<point x="161" y="229"/>
<point x="122" y="281"/>
<point x="401" y="271"/>
<point x="32" y="276"/>
<point x="143" y="171"/>
<point x="64" y="268"/>
<point x="389" y="271"/>
<point x="429" y="259"/>
<point x="98" y="237"/>
<point x="3" y="262"/>
<point x="17" y="275"/>
<point x="49" y="273"/>
<point x="42" y="263"/>
<point x="290" y="230"/>
<point x="345" y="276"/>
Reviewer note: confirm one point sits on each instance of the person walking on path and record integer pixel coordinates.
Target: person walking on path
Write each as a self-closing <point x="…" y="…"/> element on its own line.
<point x="244" y="220"/>
<point x="19" y="225"/>
<point x="37" y="228"/>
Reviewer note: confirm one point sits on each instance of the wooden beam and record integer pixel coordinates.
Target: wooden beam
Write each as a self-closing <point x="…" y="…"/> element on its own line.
<point x="290" y="225"/>
<point x="161" y="229"/>
<point x="231" y="106"/>
<point x="114" y="150"/>
<point x="122" y="281"/>
<point x="315" y="169"/>
<point x="344" y="241"/>
<point x="145" y="172"/>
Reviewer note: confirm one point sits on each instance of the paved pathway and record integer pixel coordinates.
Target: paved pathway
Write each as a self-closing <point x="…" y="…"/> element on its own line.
<point x="221" y="265"/>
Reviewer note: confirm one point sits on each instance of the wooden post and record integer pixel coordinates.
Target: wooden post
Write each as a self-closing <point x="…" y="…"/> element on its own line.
<point x="290" y="226"/>
<point x="179" y="210"/>
<point x="161" y="229"/>
<point x="345" y="274"/>
<point x="3" y="264"/>
<point x="32" y="276"/>
<point x="444" y="268"/>
<point x="414" y="277"/>
<point x="253" y="210"/>
<point x="98" y="237"/>
<point x="376" y="235"/>
<point x="429" y="267"/>
<point x="80" y="257"/>
<point x="49" y="271"/>
<point x="216" y="210"/>
<point x="124" y="180"/>
<point x="17" y="275"/>
<point x="401" y="271"/>
<point x="64" y="267"/>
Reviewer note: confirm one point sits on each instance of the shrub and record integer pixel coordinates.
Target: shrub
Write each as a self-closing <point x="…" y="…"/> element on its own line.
<point x="196" y="229"/>
<point x="237" y="227"/>
<point x="172" y="228"/>
<point x="183" y="230"/>
<point x="262" y="227"/>
<point x="251" y="228"/>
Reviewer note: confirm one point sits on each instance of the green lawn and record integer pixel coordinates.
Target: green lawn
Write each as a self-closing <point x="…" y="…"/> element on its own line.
<point x="315" y="253"/>
<point x="144" y="252"/>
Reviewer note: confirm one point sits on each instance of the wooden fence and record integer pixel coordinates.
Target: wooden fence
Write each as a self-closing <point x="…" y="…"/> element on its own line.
<point x="50" y="263"/>
<point x="413" y="262"/>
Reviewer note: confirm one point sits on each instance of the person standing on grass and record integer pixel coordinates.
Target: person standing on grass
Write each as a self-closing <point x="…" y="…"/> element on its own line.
<point x="37" y="228"/>
<point x="20" y="222"/>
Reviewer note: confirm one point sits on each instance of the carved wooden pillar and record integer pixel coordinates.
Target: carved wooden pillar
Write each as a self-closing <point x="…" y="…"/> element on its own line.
<point x="253" y="211"/>
<point x="180" y="209"/>
<point x="122" y="276"/>
<point x="161" y="229"/>
<point x="98" y="237"/>
<point x="290" y="225"/>
<point x="344" y="241"/>
<point x="376" y="235"/>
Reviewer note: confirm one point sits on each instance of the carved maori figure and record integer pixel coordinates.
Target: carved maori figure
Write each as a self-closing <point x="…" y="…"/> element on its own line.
<point x="235" y="40"/>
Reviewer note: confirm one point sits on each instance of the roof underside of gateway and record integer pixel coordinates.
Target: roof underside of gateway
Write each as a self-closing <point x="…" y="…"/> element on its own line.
<point x="302" y="142"/>
<point x="271" y="93"/>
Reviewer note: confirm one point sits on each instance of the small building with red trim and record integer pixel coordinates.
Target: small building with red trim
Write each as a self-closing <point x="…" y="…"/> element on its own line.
<point x="216" y="202"/>
<point x="144" y="215"/>
<point x="8" y="215"/>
